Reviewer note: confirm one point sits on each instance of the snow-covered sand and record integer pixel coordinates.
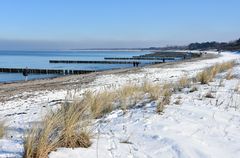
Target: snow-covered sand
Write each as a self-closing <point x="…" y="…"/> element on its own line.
<point x="198" y="127"/>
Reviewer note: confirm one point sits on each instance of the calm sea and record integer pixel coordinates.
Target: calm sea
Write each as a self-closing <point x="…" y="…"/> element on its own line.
<point x="40" y="60"/>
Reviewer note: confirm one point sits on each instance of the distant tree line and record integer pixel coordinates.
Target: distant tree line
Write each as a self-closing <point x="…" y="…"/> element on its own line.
<point x="231" y="46"/>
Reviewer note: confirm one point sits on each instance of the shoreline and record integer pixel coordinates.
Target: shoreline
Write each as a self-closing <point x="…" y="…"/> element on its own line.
<point x="71" y="81"/>
<point x="17" y="80"/>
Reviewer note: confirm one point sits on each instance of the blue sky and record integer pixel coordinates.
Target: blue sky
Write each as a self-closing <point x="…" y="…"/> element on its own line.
<point x="64" y="24"/>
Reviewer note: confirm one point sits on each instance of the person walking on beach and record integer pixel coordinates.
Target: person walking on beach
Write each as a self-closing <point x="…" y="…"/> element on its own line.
<point x="25" y="73"/>
<point x="137" y="63"/>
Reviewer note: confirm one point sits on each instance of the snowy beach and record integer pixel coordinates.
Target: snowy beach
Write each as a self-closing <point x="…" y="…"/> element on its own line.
<point x="196" y="126"/>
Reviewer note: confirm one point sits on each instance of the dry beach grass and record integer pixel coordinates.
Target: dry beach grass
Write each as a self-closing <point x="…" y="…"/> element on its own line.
<point x="207" y="75"/>
<point x="2" y="128"/>
<point x="67" y="127"/>
<point x="229" y="75"/>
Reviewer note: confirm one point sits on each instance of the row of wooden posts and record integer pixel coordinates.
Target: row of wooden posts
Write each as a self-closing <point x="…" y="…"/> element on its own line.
<point x="64" y="72"/>
<point x="44" y="71"/>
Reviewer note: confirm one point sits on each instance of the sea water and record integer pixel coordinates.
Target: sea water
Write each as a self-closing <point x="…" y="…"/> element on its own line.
<point x="40" y="60"/>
